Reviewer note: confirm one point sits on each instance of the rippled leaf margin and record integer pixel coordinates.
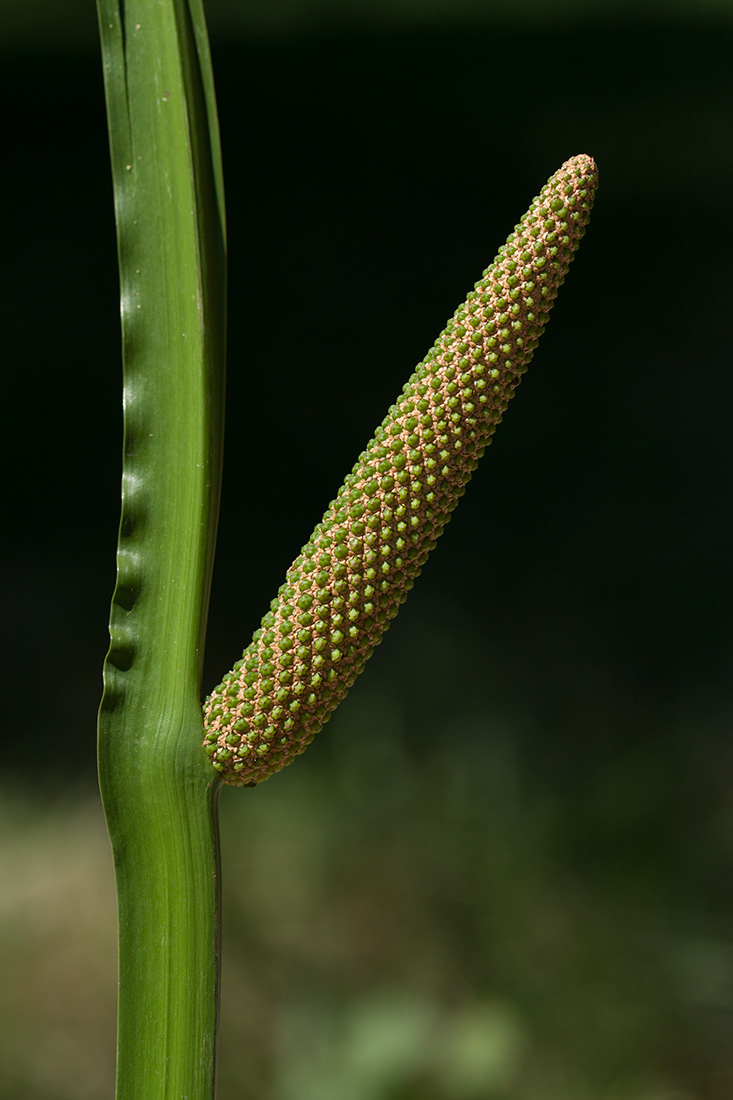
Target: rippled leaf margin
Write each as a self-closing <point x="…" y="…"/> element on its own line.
<point x="158" y="789"/>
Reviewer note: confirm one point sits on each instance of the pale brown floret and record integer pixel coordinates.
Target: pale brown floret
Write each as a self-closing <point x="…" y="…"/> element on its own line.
<point x="351" y="577"/>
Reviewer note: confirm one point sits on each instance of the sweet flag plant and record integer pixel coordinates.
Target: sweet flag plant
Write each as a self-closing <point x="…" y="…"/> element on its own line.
<point x="159" y="786"/>
<point x="341" y="593"/>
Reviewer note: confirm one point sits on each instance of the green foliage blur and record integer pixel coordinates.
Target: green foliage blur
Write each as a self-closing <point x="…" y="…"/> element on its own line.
<point x="409" y="922"/>
<point x="504" y="870"/>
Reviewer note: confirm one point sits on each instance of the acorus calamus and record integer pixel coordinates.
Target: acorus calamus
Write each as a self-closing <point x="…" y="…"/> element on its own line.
<point x="347" y="584"/>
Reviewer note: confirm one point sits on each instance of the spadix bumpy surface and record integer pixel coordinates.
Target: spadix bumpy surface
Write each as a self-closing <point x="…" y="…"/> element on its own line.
<point x="349" y="580"/>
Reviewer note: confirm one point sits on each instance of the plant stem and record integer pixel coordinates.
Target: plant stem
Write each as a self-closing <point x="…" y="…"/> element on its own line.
<point x="157" y="784"/>
<point x="164" y="835"/>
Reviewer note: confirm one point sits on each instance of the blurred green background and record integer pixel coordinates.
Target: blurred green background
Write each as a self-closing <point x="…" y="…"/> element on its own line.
<point x="505" y="869"/>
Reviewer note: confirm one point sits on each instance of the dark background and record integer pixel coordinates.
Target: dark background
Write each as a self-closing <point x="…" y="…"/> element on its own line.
<point x="570" y="641"/>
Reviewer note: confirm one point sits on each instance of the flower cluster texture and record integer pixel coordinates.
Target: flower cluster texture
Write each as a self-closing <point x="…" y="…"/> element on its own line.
<point x="348" y="582"/>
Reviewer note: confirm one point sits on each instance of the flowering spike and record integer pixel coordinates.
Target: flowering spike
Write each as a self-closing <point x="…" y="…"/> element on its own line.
<point x="349" y="580"/>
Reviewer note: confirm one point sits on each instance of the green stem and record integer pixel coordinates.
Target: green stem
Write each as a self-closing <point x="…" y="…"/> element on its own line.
<point x="166" y="864"/>
<point x="157" y="784"/>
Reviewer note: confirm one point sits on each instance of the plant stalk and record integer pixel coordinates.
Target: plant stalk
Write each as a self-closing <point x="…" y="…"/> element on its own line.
<point x="157" y="785"/>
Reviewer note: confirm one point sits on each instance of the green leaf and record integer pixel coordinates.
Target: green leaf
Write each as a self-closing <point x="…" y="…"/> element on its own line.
<point x="158" y="790"/>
